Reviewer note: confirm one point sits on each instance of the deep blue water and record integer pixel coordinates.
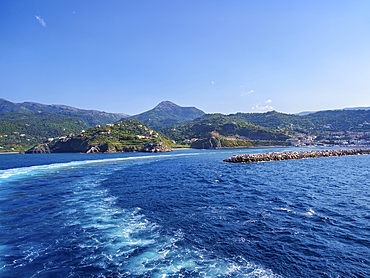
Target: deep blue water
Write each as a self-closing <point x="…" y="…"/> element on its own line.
<point x="183" y="214"/>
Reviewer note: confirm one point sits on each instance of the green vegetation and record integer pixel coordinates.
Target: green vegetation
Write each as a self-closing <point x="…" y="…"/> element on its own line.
<point x="222" y="127"/>
<point x="125" y="136"/>
<point x="270" y="128"/>
<point x="215" y="143"/>
<point x="252" y="143"/>
<point x="20" y="131"/>
<point x="23" y="125"/>
<point x="340" y="120"/>
<point x="273" y="120"/>
<point x="331" y="120"/>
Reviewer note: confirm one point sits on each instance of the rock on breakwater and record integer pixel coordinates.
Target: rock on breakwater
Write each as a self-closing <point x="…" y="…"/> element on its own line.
<point x="276" y="156"/>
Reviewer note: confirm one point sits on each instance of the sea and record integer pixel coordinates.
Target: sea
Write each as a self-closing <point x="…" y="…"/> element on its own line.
<point x="183" y="214"/>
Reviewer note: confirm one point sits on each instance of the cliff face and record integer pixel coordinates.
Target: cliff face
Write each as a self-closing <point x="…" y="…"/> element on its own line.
<point x="155" y="147"/>
<point x="74" y="146"/>
<point x="210" y="143"/>
<point x="43" y="148"/>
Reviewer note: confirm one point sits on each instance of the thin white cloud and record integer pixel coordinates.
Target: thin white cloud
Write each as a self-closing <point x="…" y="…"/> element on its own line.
<point x="247" y="93"/>
<point x="212" y="82"/>
<point x="258" y="108"/>
<point x="41" y="21"/>
<point x="263" y="108"/>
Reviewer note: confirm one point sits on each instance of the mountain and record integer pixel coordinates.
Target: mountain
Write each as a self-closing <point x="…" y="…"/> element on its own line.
<point x="123" y="136"/>
<point x="168" y="113"/>
<point x="90" y="117"/>
<point x="304" y="113"/>
<point x="357" y="108"/>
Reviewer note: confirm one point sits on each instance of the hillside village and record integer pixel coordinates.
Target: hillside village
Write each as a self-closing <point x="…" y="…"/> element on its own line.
<point x="325" y="137"/>
<point x="343" y="138"/>
<point x="148" y="133"/>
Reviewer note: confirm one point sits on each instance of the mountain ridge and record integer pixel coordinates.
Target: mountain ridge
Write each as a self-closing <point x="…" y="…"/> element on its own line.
<point x="304" y="113"/>
<point x="90" y="117"/>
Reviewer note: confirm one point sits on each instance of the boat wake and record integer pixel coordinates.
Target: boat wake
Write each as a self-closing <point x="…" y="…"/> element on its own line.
<point x="88" y="234"/>
<point x="39" y="170"/>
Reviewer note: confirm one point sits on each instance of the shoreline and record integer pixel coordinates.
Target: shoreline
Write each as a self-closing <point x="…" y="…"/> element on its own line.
<point x="240" y="147"/>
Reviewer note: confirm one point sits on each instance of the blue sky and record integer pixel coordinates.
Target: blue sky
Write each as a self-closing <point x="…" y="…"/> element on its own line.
<point x="220" y="56"/>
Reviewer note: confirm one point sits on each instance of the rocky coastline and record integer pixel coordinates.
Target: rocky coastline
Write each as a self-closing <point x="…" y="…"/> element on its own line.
<point x="103" y="148"/>
<point x="277" y="156"/>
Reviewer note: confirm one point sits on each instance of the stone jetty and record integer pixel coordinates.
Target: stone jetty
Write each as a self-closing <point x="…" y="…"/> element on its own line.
<point x="277" y="156"/>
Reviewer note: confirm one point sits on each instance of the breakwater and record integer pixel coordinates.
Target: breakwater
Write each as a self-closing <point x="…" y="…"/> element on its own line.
<point x="277" y="156"/>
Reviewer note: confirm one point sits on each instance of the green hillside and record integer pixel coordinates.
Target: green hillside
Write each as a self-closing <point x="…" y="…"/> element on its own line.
<point x="20" y="131"/>
<point x="225" y="131"/>
<point x="167" y="113"/>
<point x="340" y="120"/>
<point x="273" y="120"/>
<point x="124" y="136"/>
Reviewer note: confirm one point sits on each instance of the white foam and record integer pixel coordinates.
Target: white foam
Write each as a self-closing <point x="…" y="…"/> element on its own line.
<point x="310" y="212"/>
<point x="284" y="209"/>
<point x="41" y="169"/>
